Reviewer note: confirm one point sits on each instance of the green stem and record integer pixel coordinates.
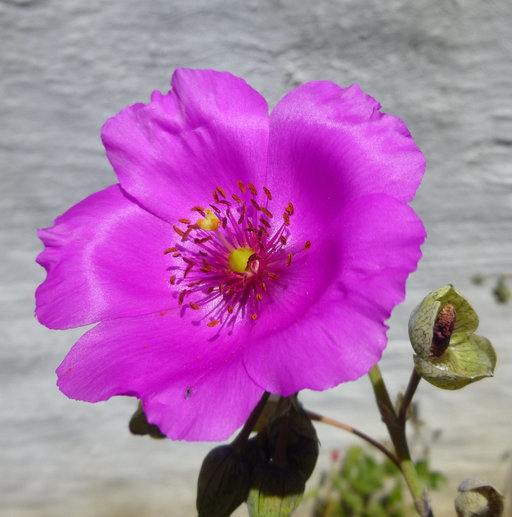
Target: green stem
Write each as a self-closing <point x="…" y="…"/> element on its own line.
<point x="240" y="441"/>
<point x="396" y="429"/>
<point x="353" y="430"/>
<point x="409" y="394"/>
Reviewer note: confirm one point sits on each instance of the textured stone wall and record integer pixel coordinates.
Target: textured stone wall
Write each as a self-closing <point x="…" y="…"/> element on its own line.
<point x="443" y="66"/>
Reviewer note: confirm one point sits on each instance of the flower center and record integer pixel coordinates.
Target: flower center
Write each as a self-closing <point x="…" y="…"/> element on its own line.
<point x="239" y="258"/>
<point x="231" y="255"/>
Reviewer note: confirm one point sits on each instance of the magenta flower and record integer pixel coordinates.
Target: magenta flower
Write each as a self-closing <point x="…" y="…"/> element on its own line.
<point x="240" y="252"/>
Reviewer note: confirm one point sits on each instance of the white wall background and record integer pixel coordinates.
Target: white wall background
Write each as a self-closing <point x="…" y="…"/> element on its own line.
<point x="443" y="66"/>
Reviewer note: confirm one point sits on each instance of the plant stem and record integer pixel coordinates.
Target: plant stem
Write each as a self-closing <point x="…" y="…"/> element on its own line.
<point x="396" y="429"/>
<point x="345" y="427"/>
<point x="241" y="439"/>
<point x="409" y="394"/>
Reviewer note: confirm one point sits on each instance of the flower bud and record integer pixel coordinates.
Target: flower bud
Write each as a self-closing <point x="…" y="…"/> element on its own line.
<point x="448" y="354"/>
<point x="256" y="451"/>
<point x="501" y="292"/>
<point x="478" y="498"/>
<point x="477" y="279"/>
<point x="276" y="491"/>
<point x="301" y="442"/>
<point x="223" y="482"/>
<point x="139" y="425"/>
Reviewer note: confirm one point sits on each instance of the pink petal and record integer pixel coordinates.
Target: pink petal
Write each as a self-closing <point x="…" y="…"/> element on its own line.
<point x="349" y="171"/>
<point x="210" y="130"/>
<point x="342" y="334"/>
<point x="193" y="388"/>
<point x="104" y="259"/>
<point x="330" y="145"/>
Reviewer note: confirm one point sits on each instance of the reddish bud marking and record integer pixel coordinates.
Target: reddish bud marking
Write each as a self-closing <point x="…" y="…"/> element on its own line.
<point x="443" y="329"/>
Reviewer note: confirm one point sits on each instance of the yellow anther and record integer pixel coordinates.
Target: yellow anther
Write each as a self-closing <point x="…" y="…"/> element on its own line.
<point x="210" y="223"/>
<point x="239" y="258"/>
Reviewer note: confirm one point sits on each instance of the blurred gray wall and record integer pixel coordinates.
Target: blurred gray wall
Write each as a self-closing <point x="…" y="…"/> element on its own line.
<point x="443" y="66"/>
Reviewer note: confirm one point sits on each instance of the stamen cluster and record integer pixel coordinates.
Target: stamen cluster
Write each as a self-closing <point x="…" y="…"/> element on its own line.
<point x="225" y="259"/>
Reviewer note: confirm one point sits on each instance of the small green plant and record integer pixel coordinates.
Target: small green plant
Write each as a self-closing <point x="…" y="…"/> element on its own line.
<point x="501" y="290"/>
<point x="362" y="486"/>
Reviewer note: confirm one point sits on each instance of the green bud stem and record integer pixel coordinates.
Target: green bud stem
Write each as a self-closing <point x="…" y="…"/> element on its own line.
<point x="356" y="432"/>
<point x="240" y="441"/>
<point x="408" y="395"/>
<point x="396" y="428"/>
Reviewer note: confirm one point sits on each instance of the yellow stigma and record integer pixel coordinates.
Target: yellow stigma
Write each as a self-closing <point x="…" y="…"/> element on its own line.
<point x="210" y="223"/>
<point x="238" y="259"/>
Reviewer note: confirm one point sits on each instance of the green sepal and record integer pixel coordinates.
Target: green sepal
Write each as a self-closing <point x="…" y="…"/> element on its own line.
<point x="468" y="357"/>
<point x="276" y="491"/>
<point x="223" y="483"/>
<point x="302" y="446"/>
